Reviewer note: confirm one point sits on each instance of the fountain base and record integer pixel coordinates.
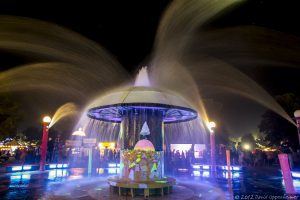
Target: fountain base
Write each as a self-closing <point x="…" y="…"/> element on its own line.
<point x="141" y="188"/>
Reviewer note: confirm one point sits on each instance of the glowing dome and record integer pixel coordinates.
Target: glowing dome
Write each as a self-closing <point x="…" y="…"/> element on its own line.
<point x="297" y="113"/>
<point x="144" y="145"/>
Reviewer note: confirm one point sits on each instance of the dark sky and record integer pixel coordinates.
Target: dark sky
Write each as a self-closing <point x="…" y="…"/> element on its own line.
<point x="127" y="29"/>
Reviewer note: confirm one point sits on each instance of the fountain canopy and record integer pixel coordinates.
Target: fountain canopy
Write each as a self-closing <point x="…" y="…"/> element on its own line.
<point x="112" y="106"/>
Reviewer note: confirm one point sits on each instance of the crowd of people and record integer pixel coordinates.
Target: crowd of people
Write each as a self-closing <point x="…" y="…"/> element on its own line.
<point x="246" y="157"/>
<point x="58" y="152"/>
<point x="28" y="155"/>
<point x="238" y="156"/>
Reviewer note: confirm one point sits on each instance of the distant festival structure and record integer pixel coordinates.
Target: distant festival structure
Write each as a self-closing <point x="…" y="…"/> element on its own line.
<point x="142" y="111"/>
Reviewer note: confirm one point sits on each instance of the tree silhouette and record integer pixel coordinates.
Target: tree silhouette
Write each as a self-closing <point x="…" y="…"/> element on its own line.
<point x="277" y="128"/>
<point x="10" y="116"/>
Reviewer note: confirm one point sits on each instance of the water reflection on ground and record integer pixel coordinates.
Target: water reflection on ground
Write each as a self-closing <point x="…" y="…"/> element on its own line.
<point x="74" y="184"/>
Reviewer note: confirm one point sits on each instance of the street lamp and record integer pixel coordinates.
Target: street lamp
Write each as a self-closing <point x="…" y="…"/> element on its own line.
<point x="46" y="122"/>
<point x="211" y="126"/>
<point x="80" y="134"/>
<point x="297" y="117"/>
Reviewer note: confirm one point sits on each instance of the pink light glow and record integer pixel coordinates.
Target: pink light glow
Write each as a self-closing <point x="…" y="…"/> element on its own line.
<point x="144" y="145"/>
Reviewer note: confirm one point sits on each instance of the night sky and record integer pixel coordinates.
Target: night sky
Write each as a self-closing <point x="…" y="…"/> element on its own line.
<point x="127" y="29"/>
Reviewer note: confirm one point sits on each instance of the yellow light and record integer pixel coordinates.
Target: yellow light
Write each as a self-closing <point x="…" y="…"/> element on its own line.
<point x="47" y="119"/>
<point x="247" y="146"/>
<point x="112" y="145"/>
<point x="210" y="126"/>
<point x="13" y="148"/>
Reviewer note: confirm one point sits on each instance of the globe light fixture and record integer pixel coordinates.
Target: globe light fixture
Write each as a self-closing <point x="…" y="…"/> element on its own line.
<point x="211" y="125"/>
<point x="46" y="120"/>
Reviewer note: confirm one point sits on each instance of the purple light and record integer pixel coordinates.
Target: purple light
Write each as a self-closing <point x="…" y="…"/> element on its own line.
<point x="113" y="113"/>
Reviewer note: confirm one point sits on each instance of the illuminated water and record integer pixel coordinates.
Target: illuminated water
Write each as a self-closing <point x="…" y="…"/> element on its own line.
<point x="187" y="54"/>
<point x="65" y="110"/>
<point x="34" y="185"/>
<point x="178" y="62"/>
<point x="74" y="67"/>
<point x="66" y="63"/>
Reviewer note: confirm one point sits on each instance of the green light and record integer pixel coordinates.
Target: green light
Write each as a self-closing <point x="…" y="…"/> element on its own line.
<point x="161" y="181"/>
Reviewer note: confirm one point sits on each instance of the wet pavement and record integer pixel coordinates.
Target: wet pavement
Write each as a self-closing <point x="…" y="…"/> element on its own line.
<point x="73" y="184"/>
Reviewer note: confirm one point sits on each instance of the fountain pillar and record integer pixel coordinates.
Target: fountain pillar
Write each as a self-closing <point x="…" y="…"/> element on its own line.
<point x="132" y="123"/>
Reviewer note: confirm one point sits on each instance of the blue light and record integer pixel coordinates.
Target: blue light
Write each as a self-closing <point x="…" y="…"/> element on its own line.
<point x="27" y="167"/>
<point x="296" y="183"/>
<point x="232" y="168"/>
<point x="52" y="166"/>
<point x="19" y="181"/>
<point x="59" y="166"/>
<point x="57" y="173"/>
<point x="196" y="166"/>
<point x="196" y="173"/>
<point x="112" y="164"/>
<point x="16" y="168"/>
<point x="20" y="177"/>
<point x="112" y="170"/>
<point x="296" y="174"/>
<point x="205" y="167"/>
<point x="183" y="169"/>
<point x="26" y="176"/>
<point x="65" y="165"/>
<point x="233" y="175"/>
<point x="235" y="168"/>
<point x="205" y="174"/>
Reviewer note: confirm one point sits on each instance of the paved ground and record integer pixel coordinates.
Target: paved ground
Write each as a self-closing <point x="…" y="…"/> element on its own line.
<point x="71" y="184"/>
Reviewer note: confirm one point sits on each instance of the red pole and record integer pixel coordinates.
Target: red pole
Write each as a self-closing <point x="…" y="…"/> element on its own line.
<point x="44" y="146"/>
<point x="228" y="163"/>
<point x="286" y="172"/>
<point x="213" y="151"/>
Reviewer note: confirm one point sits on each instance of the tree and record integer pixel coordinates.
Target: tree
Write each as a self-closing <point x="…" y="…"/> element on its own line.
<point x="222" y="135"/>
<point x="33" y="133"/>
<point x="277" y="128"/>
<point x="10" y="116"/>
